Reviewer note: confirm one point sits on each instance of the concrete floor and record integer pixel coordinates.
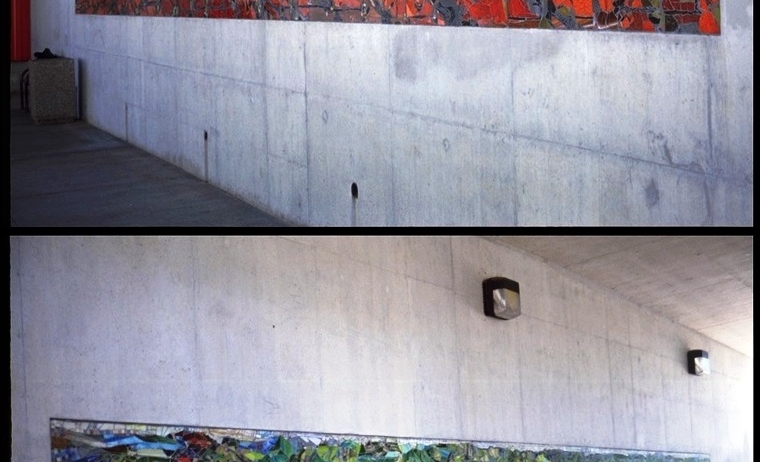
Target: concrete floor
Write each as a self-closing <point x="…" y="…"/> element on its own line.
<point x="73" y="174"/>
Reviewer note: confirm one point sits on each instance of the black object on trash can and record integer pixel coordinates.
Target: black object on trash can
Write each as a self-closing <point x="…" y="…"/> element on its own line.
<point x="45" y="54"/>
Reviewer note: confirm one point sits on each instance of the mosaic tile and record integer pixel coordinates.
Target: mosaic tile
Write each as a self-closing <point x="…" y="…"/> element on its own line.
<point x="667" y="16"/>
<point x="84" y="441"/>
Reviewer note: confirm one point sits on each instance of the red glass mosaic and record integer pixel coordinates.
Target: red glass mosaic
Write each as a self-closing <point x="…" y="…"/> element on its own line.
<point x="670" y="16"/>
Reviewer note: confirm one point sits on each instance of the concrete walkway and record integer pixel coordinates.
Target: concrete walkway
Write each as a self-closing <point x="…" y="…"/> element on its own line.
<point x="73" y="174"/>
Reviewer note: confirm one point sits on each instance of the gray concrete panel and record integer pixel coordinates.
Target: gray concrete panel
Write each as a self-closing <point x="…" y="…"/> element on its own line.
<point x="237" y="154"/>
<point x="284" y="271"/>
<point x="133" y="37"/>
<point x="80" y="34"/>
<point x="586" y="314"/>
<point x="106" y="34"/>
<point x="230" y="293"/>
<point x="732" y="201"/>
<point x="135" y="126"/>
<point x="436" y="173"/>
<point x="588" y="366"/>
<point x="197" y="100"/>
<point x="591" y="94"/>
<point x="191" y="149"/>
<point x="535" y="281"/>
<point x="731" y="64"/>
<point x="286" y="126"/>
<point x="196" y="114"/>
<point x="544" y="382"/>
<point x="383" y="328"/>
<point x="100" y="73"/>
<point x="738" y="365"/>
<point x="640" y="192"/>
<point x="348" y="61"/>
<point x="285" y="55"/>
<point x="640" y="320"/>
<point x="288" y="194"/>
<point x="19" y="415"/>
<point x="357" y="324"/>
<point x="85" y="327"/>
<point x="461" y="78"/>
<point x="430" y="260"/>
<point x="52" y="26"/>
<point x="730" y="447"/>
<point x="498" y="180"/>
<point x="621" y="394"/>
<point x="371" y="319"/>
<point x="489" y="374"/>
<point x="617" y="319"/>
<point x="648" y="400"/>
<point x="573" y="197"/>
<point x="195" y="46"/>
<point x="159" y="37"/>
<point x="671" y="341"/>
<point x="702" y="423"/>
<point x="435" y="382"/>
<point x="387" y="252"/>
<point x="348" y="143"/>
<point x="87" y="89"/>
<point x="281" y="274"/>
<point x="133" y="87"/>
<point x="161" y="136"/>
<point x="160" y="90"/>
<point x="677" y="414"/>
<point x="238" y="50"/>
<point x="678" y="431"/>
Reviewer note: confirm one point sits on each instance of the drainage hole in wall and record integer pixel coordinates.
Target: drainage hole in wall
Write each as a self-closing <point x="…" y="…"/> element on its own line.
<point x="205" y="135"/>
<point x="354" y="191"/>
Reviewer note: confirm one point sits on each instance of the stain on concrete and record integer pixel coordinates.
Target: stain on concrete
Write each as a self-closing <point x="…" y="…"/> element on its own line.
<point x="405" y="57"/>
<point x="325" y="116"/>
<point x="658" y="145"/>
<point x="652" y="194"/>
<point x="709" y="220"/>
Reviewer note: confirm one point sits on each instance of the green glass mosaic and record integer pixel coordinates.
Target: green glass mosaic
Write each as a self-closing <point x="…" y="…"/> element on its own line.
<point x="88" y="441"/>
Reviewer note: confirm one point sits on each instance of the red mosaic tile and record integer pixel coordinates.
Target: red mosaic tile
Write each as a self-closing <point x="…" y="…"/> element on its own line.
<point x="671" y="16"/>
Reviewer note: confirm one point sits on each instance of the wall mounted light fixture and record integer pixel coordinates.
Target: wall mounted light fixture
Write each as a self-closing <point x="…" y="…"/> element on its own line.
<point x="501" y="298"/>
<point x="698" y="362"/>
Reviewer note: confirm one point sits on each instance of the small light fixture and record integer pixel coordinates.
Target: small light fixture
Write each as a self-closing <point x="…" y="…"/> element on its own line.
<point x="698" y="362"/>
<point x="501" y="298"/>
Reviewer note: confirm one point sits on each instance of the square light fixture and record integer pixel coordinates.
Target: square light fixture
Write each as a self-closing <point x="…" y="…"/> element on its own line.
<point x="698" y="362"/>
<point x="501" y="298"/>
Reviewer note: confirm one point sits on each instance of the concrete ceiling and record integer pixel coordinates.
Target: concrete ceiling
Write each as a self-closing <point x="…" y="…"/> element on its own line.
<point x="702" y="282"/>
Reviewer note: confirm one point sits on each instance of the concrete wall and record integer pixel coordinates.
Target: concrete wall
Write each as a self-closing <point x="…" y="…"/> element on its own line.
<point x="375" y="336"/>
<point x="435" y="125"/>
